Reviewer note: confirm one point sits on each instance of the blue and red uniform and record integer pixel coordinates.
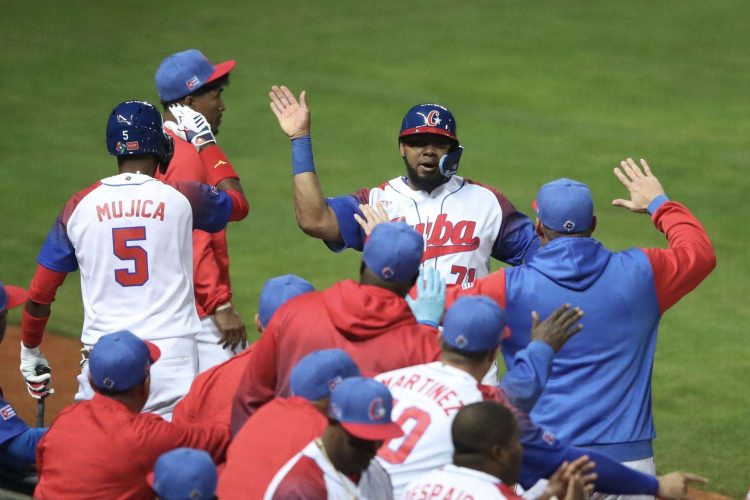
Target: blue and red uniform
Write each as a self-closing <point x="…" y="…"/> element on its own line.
<point x="599" y="392"/>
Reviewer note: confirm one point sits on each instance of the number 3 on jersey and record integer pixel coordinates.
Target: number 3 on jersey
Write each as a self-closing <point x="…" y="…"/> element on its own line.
<point x="421" y="422"/>
<point x="121" y="236"/>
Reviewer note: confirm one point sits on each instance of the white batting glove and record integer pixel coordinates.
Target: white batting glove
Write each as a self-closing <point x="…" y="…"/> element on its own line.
<point x="191" y="126"/>
<point x="36" y="372"/>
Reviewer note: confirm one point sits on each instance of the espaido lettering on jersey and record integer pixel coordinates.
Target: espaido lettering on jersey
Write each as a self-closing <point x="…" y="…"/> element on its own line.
<point x="445" y="237"/>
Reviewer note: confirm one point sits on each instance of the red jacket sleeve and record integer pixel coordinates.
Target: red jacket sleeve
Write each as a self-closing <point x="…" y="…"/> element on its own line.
<point x="492" y="286"/>
<point x="155" y="434"/>
<point x="689" y="259"/>
<point x="258" y="383"/>
<point x="218" y="167"/>
<point x="42" y="290"/>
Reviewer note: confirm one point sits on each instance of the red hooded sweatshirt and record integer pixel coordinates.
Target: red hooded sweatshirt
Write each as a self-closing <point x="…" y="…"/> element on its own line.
<point x="374" y="325"/>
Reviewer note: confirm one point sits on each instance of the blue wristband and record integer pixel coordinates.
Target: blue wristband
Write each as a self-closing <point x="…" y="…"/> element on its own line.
<point x="656" y="203"/>
<point x="302" y="157"/>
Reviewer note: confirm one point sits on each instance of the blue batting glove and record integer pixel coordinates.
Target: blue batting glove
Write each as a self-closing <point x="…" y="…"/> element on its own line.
<point x="429" y="305"/>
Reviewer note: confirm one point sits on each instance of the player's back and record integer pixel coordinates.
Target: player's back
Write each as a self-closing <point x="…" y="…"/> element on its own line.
<point x="132" y="236"/>
<point x="426" y="400"/>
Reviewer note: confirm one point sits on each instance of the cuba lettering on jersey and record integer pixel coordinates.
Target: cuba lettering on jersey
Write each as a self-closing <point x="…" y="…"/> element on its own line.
<point x="458" y="483"/>
<point x="309" y="474"/>
<point x="131" y="237"/>
<point x="463" y="224"/>
<point x="426" y="400"/>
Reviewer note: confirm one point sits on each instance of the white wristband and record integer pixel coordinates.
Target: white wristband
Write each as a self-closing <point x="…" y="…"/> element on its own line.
<point x="223" y="307"/>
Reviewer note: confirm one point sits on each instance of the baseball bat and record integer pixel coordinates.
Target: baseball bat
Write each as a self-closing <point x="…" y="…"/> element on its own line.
<point x="40" y="403"/>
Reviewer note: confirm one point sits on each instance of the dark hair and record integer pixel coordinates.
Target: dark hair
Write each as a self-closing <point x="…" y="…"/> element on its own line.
<point x="211" y="86"/>
<point x="551" y="234"/>
<point x="475" y="356"/>
<point x="480" y="426"/>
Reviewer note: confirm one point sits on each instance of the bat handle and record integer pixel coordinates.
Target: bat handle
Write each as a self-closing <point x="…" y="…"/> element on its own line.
<point x="40" y="403"/>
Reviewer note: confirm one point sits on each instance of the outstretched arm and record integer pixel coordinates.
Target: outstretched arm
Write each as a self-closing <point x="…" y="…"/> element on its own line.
<point x="690" y="257"/>
<point x="314" y="216"/>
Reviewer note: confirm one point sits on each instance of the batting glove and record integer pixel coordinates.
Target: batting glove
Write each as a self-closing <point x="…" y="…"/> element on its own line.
<point x="429" y="305"/>
<point x="191" y="126"/>
<point x="36" y="372"/>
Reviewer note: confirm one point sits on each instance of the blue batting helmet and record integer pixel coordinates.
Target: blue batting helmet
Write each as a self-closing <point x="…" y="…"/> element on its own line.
<point x="136" y="128"/>
<point x="429" y="119"/>
<point x="434" y="119"/>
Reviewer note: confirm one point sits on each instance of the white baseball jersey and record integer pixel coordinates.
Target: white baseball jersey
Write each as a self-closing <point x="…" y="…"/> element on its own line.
<point x="463" y="224"/>
<point x="309" y="474"/>
<point x="426" y="399"/>
<point x="458" y="483"/>
<point x="131" y="237"/>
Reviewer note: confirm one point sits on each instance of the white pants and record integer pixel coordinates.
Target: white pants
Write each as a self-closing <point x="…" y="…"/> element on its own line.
<point x="210" y="353"/>
<point x="645" y="465"/>
<point x="171" y="376"/>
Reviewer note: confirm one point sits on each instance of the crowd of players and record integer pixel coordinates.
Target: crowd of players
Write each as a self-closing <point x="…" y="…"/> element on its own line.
<point x="383" y="387"/>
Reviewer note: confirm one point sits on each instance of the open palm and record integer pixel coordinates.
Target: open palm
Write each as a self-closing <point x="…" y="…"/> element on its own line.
<point x="293" y="116"/>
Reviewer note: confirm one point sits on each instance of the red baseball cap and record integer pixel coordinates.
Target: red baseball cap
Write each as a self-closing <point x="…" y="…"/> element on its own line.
<point x="11" y="296"/>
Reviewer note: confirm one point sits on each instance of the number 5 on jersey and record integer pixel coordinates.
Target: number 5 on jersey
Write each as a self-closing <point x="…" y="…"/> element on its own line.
<point x="121" y="236"/>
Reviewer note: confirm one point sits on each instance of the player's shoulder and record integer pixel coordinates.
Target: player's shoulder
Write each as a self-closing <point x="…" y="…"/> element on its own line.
<point x="480" y="187"/>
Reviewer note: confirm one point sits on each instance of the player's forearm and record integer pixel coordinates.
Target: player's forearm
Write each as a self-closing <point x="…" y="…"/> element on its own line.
<point x="525" y="380"/>
<point x="314" y="216"/>
<point x="37" y="309"/>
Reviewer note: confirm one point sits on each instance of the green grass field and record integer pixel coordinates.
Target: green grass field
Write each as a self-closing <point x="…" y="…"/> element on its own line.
<point x="540" y="90"/>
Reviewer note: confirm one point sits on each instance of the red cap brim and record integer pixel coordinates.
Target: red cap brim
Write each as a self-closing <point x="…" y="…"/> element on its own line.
<point x="16" y="296"/>
<point x="150" y="478"/>
<point x="221" y="69"/>
<point x="154" y="353"/>
<point x="427" y="130"/>
<point x="373" y="432"/>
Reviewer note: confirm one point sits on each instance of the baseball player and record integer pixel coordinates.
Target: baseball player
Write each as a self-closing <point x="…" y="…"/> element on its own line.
<point x="428" y="397"/>
<point x="130" y="235"/>
<point x="105" y="447"/>
<point x="624" y="295"/>
<point x="212" y="392"/>
<point x="368" y="319"/>
<point x="189" y="86"/>
<point x="463" y="222"/>
<point x="283" y="427"/>
<point x="340" y="463"/>
<point x="184" y="474"/>
<point x="487" y="460"/>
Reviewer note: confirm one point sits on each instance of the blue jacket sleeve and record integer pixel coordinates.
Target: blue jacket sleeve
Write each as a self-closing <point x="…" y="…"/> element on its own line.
<point x="525" y="379"/>
<point x="211" y="207"/>
<point x="21" y="449"/>
<point x="344" y="207"/>
<point x="543" y="454"/>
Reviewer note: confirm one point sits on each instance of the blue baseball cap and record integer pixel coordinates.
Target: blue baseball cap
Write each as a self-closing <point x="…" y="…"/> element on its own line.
<point x="474" y="324"/>
<point x="183" y="73"/>
<point x="120" y="360"/>
<point x="315" y="375"/>
<point x="11" y="296"/>
<point x="277" y="291"/>
<point x="363" y="408"/>
<point x="565" y="206"/>
<point x="184" y="474"/>
<point x="394" y="251"/>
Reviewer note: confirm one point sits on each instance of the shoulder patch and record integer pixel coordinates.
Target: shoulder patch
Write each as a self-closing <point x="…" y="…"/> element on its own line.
<point x="7" y="412"/>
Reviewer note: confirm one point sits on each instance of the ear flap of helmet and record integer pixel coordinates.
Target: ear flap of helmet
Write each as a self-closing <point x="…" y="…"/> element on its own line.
<point x="449" y="163"/>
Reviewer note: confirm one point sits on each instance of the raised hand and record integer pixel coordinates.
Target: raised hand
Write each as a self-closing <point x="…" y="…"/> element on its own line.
<point x="558" y="327"/>
<point x="643" y="185"/>
<point x="293" y="116"/>
<point x="429" y="305"/>
<point x="191" y="126"/>
<point x="371" y="217"/>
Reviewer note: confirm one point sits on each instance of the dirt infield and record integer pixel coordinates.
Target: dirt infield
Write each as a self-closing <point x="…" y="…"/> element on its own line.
<point x="63" y="354"/>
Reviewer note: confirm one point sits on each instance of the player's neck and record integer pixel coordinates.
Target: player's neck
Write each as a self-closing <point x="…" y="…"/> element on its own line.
<point x="145" y="166"/>
<point x="475" y="370"/>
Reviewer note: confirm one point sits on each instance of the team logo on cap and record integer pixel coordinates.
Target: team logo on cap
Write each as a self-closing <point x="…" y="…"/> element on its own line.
<point x="377" y="409"/>
<point x="193" y="82"/>
<point x="108" y="383"/>
<point x="120" y="147"/>
<point x="569" y="225"/>
<point x="195" y="494"/>
<point x="132" y="146"/>
<point x="334" y="382"/>
<point x="387" y="272"/>
<point x="462" y="341"/>
<point x="336" y="411"/>
<point x="432" y="118"/>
